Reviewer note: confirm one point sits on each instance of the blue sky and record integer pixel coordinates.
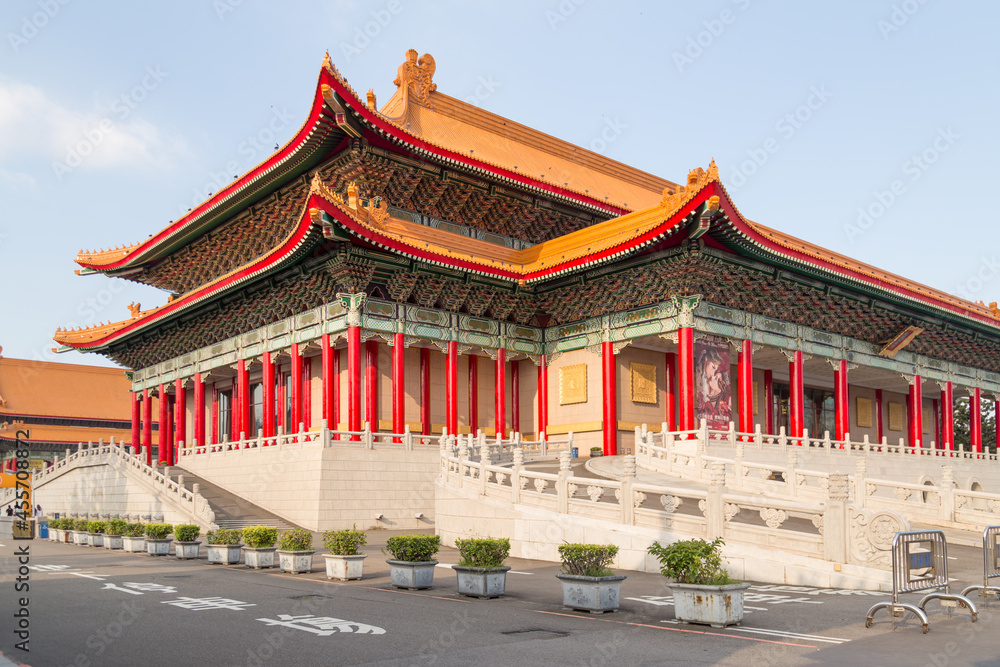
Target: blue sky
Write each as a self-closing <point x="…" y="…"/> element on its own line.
<point x="866" y="127"/>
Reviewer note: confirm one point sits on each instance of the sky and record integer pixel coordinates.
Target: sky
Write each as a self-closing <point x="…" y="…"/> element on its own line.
<point x="867" y="127"/>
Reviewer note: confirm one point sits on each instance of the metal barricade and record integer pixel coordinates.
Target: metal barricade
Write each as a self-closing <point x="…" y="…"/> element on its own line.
<point x="991" y="566"/>
<point x="920" y="563"/>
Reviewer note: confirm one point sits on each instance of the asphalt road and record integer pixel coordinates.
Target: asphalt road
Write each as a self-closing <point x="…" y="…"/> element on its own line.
<point x="95" y="607"/>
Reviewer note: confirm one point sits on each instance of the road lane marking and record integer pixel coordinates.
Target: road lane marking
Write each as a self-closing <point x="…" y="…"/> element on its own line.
<point x="781" y="633"/>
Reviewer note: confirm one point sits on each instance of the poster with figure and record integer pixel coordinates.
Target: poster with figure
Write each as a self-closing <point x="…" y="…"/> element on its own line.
<point x="713" y="396"/>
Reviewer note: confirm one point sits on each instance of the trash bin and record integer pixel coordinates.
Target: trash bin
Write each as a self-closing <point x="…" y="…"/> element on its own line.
<point x="576" y="452"/>
<point x="43" y="529"/>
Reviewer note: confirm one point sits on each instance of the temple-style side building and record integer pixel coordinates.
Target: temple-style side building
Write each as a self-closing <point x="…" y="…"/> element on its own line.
<point x="59" y="406"/>
<point x="431" y="265"/>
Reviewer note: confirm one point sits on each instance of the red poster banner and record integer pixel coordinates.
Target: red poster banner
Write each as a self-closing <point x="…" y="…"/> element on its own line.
<point x="713" y="395"/>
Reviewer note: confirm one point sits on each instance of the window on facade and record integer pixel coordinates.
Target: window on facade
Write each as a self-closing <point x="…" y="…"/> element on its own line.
<point x="256" y="409"/>
<point x="225" y="424"/>
<point x="817" y="405"/>
<point x="289" y="427"/>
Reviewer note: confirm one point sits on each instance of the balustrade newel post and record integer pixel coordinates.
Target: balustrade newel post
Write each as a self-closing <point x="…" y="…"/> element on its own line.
<point x="715" y="505"/>
<point x="835" y="538"/>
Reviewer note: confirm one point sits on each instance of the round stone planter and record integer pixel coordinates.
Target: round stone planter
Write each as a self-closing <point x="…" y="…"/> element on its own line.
<point x="134" y="545"/>
<point x="717" y="606"/>
<point x="296" y="562"/>
<point x="481" y="582"/>
<point x="413" y="575"/>
<point x="259" y="558"/>
<point x="158" y="547"/>
<point x="186" y="550"/>
<point x="344" y="568"/>
<point x="593" y="594"/>
<point x="112" y="541"/>
<point x="223" y="554"/>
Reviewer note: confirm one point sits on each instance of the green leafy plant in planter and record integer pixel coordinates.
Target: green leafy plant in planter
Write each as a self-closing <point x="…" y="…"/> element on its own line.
<point x="260" y="537"/>
<point x="223" y="536"/>
<point x="158" y="531"/>
<point x="134" y="530"/>
<point x="80" y="524"/>
<point x="413" y="548"/>
<point x="587" y="560"/>
<point x="259" y="550"/>
<point x="295" y="539"/>
<point x="588" y="584"/>
<point x="96" y="527"/>
<point x="186" y="532"/>
<point x="412" y="563"/>
<point x="481" y="571"/>
<point x="345" y="560"/>
<point x="223" y="546"/>
<point x="116" y="527"/>
<point x="596" y="451"/>
<point x="704" y="591"/>
<point x="295" y="550"/>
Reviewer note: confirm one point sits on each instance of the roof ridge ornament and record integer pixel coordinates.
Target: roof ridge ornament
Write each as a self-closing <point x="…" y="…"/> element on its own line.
<point x="415" y="76"/>
<point x="697" y="179"/>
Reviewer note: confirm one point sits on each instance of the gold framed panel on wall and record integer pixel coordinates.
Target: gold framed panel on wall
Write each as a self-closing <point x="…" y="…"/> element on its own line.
<point x="573" y="384"/>
<point x="895" y="416"/>
<point x="928" y="419"/>
<point x="756" y="404"/>
<point x="863" y="412"/>
<point x="643" y="382"/>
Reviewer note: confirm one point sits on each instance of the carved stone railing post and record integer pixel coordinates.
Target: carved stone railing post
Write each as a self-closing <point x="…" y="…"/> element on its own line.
<point x="367" y="438"/>
<point x="738" y="464"/>
<point x="515" y="476"/>
<point x="484" y="460"/>
<point x="947" y="493"/>
<point x="325" y="433"/>
<point x="715" y="506"/>
<point x="407" y="439"/>
<point x="562" y="484"/>
<point x="834" y="527"/>
<point x="860" y="482"/>
<point x="626" y="501"/>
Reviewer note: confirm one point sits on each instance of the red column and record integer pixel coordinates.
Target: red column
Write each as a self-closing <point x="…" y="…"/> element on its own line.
<point x="796" y="409"/>
<point x="515" y="396"/>
<point x="267" y="382"/>
<point x="451" y="389"/>
<point x="878" y="414"/>
<point x="244" y="407"/>
<point x="354" y="380"/>
<point x="685" y="377"/>
<point x="670" y="385"/>
<point x="199" y="410"/>
<point x="543" y="396"/>
<point x="371" y="383"/>
<point x="916" y="412"/>
<point x="136" y="444"/>
<point x="769" y="402"/>
<point x="842" y="400"/>
<point x="234" y="410"/>
<point x="398" y="384"/>
<point x="215" y="414"/>
<point x="838" y="426"/>
<point x="936" y="416"/>
<point x="326" y="363"/>
<point x="500" y="394"/>
<point x="473" y="393"/>
<point x="996" y="414"/>
<point x="425" y="390"/>
<point x="296" y="370"/>
<point x="609" y="399"/>
<point x="745" y="386"/>
<point x="975" y="421"/>
<point x="180" y="418"/>
<point x="163" y="433"/>
<point x="280" y="400"/>
<point x="147" y="425"/>
<point x="335" y="390"/>
<point x="168" y="450"/>
<point x="306" y="392"/>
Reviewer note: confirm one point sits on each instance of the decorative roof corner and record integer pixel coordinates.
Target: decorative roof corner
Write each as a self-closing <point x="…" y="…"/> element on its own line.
<point x="697" y="179"/>
<point x="415" y="77"/>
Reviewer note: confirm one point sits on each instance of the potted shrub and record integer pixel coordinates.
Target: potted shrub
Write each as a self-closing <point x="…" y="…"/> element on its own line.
<point x="703" y="590"/>
<point x="588" y="584"/>
<point x="95" y="533"/>
<point x="596" y="451"/>
<point x="223" y="546"/>
<point x="412" y="564"/>
<point x="344" y="562"/>
<point x="295" y="552"/>
<point x="113" y="534"/>
<point x="81" y="534"/>
<point x="481" y="572"/>
<point x="185" y="546"/>
<point x="133" y="538"/>
<point x="55" y="530"/>
<point x="157" y="543"/>
<point x="259" y="550"/>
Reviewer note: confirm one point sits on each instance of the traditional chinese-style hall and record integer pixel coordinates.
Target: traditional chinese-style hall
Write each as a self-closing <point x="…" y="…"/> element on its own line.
<point x="426" y="264"/>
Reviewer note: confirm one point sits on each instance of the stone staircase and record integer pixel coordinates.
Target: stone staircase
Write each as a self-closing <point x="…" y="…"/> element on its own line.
<point x="231" y="511"/>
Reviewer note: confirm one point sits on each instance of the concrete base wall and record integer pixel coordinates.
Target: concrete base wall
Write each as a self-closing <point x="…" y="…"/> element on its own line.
<point x="536" y="533"/>
<point x="329" y="488"/>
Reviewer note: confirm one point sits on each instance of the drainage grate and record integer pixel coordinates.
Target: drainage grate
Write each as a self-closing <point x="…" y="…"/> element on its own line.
<point x="535" y="634"/>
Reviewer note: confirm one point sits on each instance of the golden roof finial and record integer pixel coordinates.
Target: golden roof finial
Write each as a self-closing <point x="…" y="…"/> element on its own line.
<point x="415" y="76"/>
<point x="371" y="100"/>
<point x="352" y="195"/>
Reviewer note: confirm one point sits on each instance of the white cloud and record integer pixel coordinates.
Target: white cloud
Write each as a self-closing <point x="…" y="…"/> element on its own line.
<point x="107" y="135"/>
<point x="19" y="180"/>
